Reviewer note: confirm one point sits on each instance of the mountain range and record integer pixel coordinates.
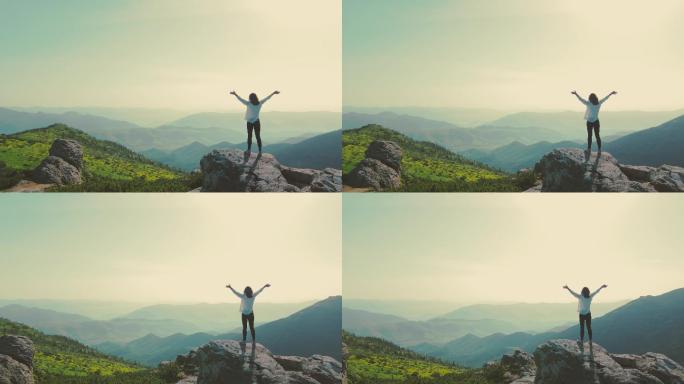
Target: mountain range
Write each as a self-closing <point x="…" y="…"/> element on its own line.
<point x="206" y="128"/>
<point x="480" y="320"/>
<point x="312" y="330"/>
<point x="448" y="135"/>
<point x="317" y="152"/>
<point x="653" y="146"/>
<point x="161" y="320"/>
<point x="649" y="323"/>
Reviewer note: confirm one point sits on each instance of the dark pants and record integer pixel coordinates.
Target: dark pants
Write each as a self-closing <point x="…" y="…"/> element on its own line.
<point x="596" y="127"/>
<point x="585" y="319"/>
<point x="256" y="127"/>
<point x="250" y="318"/>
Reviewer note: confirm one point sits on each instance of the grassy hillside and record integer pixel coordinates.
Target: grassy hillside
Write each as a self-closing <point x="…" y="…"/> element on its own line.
<point x="59" y="360"/>
<point x="108" y="166"/>
<point x="374" y="360"/>
<point x="426" y="166"/>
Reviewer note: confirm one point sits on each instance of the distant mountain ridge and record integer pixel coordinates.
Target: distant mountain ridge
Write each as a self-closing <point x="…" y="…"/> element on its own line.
<point x="655" y="146"/>
<point x="448" y="135"/>
<point x="312" y="330"/>
<point x="317" y="152"/>
<point x="649" y="323"/>
<point x="209" y="128"/>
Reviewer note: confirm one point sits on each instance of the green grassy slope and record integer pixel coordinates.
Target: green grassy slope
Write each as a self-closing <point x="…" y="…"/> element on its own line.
<point x="426" y="166"/>
<point x="108" y="166"/>
<point x="59" y="359"/>
<point x="374" y="360"/>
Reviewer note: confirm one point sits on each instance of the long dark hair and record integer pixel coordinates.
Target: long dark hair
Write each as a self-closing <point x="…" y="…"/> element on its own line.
<point x="255" y="100"/>
<point x="585" y="290"/>
<point x="249" y="293"/>
<point x="592" y="98"/>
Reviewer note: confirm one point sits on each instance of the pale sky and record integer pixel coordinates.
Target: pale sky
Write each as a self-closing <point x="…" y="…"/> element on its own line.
<point x="169" y="247"/>
<point x="513" y="54"/>
<point x="170" y="53"/>
<point x="494" y="248"/>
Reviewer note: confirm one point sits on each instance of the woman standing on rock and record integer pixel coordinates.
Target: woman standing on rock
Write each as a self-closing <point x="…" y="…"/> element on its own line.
<point x="591" y="116"/>
<point x="584" y="309"/>
<point x="247" y="309"/>
<point x="252" y="116"/>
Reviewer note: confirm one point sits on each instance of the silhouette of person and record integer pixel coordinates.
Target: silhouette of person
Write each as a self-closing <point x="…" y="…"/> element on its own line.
<point x="591" y="116"/>
<point x="252" y="116"/>
<point x="247" y="309"/>
<point x="584" y="309"/>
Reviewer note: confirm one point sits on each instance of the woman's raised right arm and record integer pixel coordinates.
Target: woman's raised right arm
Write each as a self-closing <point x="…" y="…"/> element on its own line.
<point x="571" y="291"/>
<point x="243" y="101"/>
<point x="579" y="98"/>
<point x="238" y="294"/>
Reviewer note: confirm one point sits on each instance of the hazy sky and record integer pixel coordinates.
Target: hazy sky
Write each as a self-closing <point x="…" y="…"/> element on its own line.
<point x="169" y="247"/>
<point x="476" y="248"/>
<point x="170" y="54"/>
<point x="513" y="54"/>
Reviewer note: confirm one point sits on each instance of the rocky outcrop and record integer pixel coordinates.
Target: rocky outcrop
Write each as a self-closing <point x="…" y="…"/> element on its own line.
<point x="16" y="360"/>
<point x="566" y="362"/>
<point x="380" y="170"/>
<point x="63" y="165"/>
<point x="232" y="170"/>
<point x="229" y="361"/>
<point x="574" y="170"/>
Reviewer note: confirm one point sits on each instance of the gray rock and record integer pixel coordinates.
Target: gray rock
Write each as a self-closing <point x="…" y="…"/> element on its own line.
<point x="372" y="173"/>
<point x="228" y="361"/>
<point x="233" y="170"/>
<point x="313" y="180"/>
<point x="563" y="362"/>
<point x="572" y="170"/>
<point x="519" y="365"/>
<point x="69" y="151"/>
<point x="637" y="172"/>
<point x="55" y="170"/>
<point x="325" y="369"/>
<point x="14" y="372"/>
<point x="388" y="152"/>
<point x="656" y="364"/>
<point x="20" y="348"/>
<point x="668" y="178"/>
<point x="16" y="360"/>
<point x="290" y="363"/>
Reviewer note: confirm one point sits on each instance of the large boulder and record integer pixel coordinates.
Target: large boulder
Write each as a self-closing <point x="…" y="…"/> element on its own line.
<point x="229" y="361"/>
<point x="16" y="360"/>
<point x="388" y="152"/>
<point x="55" y="170"/>
<point x="656" y="364"/>
<point x="232" y="170"/>
<point x="372" y="173"/>
<point x="564" y="362"/>
<point x="14" y="372"/>
<point x="575" y="170"/>
<point x="519" y="367"/>
<point x="69" y="151"/>
<point x="20" y="348"/>
<point x="63" y="166"/>
<point x="380" y="170"/>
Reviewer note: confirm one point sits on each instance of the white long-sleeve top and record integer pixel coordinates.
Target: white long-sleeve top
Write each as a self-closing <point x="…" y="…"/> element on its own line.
<point x="247" y="303"/>
<point x="252" y="112"/>
<point x="591" y="114"/>
<point x="584" y="303"/>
